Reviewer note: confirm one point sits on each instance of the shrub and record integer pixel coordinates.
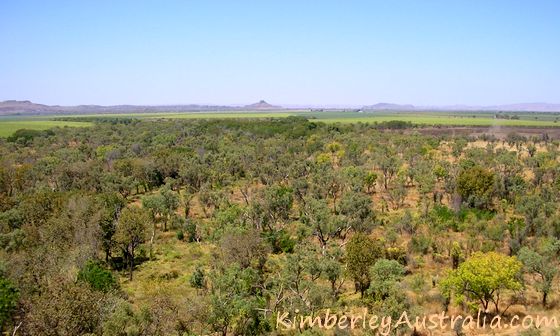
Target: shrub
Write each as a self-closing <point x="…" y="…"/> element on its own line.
<point x="280" y="241"/>
<point x="476" y="186"/>
<point x="482" y="278"/>
<point x="97" y="277"/>
<point x="420" y="244"/>
<point x="9" y="296"/>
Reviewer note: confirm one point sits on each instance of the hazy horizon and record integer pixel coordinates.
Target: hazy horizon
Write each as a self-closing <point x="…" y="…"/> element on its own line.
<point x="289" y="53"/>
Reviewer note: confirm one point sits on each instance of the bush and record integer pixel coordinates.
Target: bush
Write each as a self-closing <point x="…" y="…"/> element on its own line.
<point x="25" y="136"/>
<point x="420" y="244"/>
<point x="97" y="277"/>
<point x="398" y="254"/>
<point x="280" y="241"/>
<point x="9" y="296"/>
<point x="476" y="186"/>
<point x="385" y="277"/>
<point x="198" y="279"/>
<point x="495" y="231"/>
<point x="191" y="230"/>
<point x="441" y="217"/>
<point x="180" y="235"/>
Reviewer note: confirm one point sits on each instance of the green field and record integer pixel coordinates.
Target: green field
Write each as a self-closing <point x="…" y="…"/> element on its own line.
<point x="438" y="118"/>
<point x="10" y="124"/>
<point x="443" y="120"/>
<point x="7" y="127"/>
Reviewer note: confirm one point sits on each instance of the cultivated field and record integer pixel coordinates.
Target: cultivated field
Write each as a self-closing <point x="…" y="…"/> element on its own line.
<point x="8" y="127"/>
<point x="10" y="124"/>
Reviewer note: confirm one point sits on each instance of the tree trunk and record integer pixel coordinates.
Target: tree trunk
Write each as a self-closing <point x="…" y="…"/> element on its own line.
<point x="131" y="265"/>
<point x="152" y="240"/>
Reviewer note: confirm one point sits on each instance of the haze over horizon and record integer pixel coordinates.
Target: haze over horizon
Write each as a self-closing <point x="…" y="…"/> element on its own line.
<point x="327" y="53"/>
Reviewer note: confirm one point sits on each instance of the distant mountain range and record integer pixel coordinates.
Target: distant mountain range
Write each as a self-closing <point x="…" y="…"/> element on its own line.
<point x="524" y="107"/>
<point x="18" y="107"/>
<point x="25" y="107"/>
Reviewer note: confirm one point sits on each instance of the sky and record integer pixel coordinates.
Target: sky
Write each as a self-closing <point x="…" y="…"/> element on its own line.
<point x="322" y="53"/>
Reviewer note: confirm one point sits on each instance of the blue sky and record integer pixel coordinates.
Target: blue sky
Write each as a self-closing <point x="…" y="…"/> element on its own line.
<point x="286" y="52"/>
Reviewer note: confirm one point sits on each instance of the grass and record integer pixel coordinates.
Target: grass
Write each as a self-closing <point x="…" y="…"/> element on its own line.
<point x="10" y="124"/>
<point x="8" y="127"/>
<point x="422" y="118"/>
<point x="168" y="272"/>
<point x="444" y="120"/>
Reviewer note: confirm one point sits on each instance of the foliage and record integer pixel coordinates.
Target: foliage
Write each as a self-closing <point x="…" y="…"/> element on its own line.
<point x="361" y="253"/>
<point x="97" y="276"/>
<point x="9" y="296"/>
<point x="476" y="186"/>
<point x="483" y="277"/>
<point x="131" y="232"/>
<point x="542" y="265"/>
<point x="66" y="309"/>
<point x="233" y="303"/>
<point x="198" y="279"/>
<point x="385" y="276"/>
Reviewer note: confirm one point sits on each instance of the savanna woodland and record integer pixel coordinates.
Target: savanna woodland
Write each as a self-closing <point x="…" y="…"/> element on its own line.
<point x="201" y="227"/>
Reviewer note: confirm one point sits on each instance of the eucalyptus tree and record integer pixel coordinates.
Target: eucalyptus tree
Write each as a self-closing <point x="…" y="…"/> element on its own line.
<point x="131" y="232"/>
<point x="542" y="265"/>
<point x="324" y="224"/>
<point x="361" y="253"/>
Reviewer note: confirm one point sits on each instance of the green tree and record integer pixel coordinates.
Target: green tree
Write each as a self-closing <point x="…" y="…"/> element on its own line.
<point x="234" y="302"/>
<point x="170" y="200"/>
<point x="398" y="191"/>
<point x="65" y="308"/>
<point x="542" y="266"/>
<point x="456" y="254"/>
<point x="357" y="212"/>
<point x="370" y="180"/>
<point x="483" y="277"/>
<point x="385" y="277"/>
<point x="277" y="205"/>
<point x="198" y="279"/>
<point x="131" y="232"/>
<point x="388" y="164"/>
<point x="476" y="186"/>
<point x="334" y="273"/>
<point x="97" y="276"/>
<point x="9" y="296"/>
<point x="163" y="204"/>
<point x="318" y="216"/>
<point x="361" y="254"/>
<point x="111" y="204"/>
<point x="155" y="204"/>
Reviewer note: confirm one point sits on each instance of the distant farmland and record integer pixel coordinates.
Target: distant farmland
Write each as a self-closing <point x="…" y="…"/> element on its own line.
<point x="8" y="125"/>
